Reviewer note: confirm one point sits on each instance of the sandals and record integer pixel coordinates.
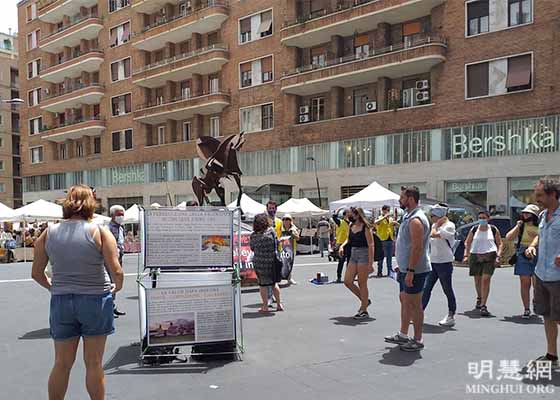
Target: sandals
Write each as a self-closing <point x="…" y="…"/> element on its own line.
<point x="280" y="308"/>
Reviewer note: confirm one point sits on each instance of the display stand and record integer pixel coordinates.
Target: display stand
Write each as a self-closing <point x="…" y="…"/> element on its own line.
<point x="189" y="289"/>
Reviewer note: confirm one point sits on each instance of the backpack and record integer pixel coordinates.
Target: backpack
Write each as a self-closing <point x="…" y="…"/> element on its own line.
<point x="495" y="231"/>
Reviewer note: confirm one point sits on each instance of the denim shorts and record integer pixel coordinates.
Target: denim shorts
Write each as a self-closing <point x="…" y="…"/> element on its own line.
<point x="75" y="315"/>
<point x="359" y="255"/>
<point x="417" y="283"/>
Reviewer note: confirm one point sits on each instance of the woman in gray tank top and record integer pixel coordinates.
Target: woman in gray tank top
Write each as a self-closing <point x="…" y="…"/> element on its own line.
<point x="81" y="292"/>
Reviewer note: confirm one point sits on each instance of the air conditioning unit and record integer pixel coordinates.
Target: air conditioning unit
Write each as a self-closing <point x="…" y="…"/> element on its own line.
<point x="408" y="99"/>
<point x="304" y="118"/>
<point x="422" y="85"/>
<point x="371" y="106"/>
<point x="422" y="96"/>
<point x="303" y="110"/>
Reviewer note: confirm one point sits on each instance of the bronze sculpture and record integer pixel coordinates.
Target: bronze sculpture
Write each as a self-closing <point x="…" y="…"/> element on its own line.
<point x="221" y="162"/>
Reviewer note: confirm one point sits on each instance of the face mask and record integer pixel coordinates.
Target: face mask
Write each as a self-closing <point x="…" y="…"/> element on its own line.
<point x="119" y="220"/>
<point x="271" y="213"/>
<point x="482" y="222"/>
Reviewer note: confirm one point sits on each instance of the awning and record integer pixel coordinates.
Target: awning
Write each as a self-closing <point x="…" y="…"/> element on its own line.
<point x="265" y="25"/>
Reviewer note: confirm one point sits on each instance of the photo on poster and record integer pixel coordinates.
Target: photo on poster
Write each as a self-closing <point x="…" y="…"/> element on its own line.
<point x="216" y="243"/>
<point x="172" y="328"/>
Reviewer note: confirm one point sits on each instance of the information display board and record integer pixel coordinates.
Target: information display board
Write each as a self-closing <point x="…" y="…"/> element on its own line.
<point x="188" y="238"/>
<point x="188" y="315"/>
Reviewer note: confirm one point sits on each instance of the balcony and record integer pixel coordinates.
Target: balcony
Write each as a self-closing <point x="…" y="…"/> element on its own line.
<point x="350" y="18"/>
<point x="178" y="28"/>
<point x="391" y="62"/>
<point x="208" y="60"/>
<point x="84" y="27"/>
<point x="182" y="108"/>
<point x="73" y="66"/>
<point x="93" y="126"/>
<point x="73" y="98"/>
<point x="53" y="11"/>
<point x="151" y="6"/>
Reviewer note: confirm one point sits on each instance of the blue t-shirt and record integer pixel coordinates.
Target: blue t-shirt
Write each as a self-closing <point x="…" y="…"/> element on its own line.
<point x="549" y="247"/>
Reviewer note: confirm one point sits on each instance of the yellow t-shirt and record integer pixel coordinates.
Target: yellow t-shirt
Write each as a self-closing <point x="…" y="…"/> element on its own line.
<point x="529" y="234"/>
<point x="385" y="229"/>
<point x="342" y="232"/>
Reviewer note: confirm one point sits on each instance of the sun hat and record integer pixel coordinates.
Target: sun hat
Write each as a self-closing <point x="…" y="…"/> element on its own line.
<point x="287" y="216"/>
<point x="532" y="209"/>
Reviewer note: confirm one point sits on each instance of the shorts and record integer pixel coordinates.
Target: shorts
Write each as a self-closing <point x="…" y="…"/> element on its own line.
<point x="524" y="266"/>
<point x="546" y="300"/>
<point x="479" y="268"/>
<point x="417" y="283"/>
<point x="75" y="315"/>
<point x="359" y="255"/>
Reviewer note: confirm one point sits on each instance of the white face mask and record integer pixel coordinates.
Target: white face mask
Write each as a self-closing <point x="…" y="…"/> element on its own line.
<point x="119" y="219"/>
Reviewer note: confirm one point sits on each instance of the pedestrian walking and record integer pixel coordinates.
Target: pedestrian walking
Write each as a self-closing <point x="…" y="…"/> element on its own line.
<point x="360" y="264"/>
<point x="116" y="227"/>
<point x="524" y="232"/>
<point x="442" y="240"/>
<point x="81" y="292"/>
<point x="483" y="250"/>
<point x="323" y="234"/>
<point x="264" y="244"/>
<point x="342" y="229"/>
<point x="547" y="281"/>
<point x="413" y="266"/>
<point x="385" y="228"/>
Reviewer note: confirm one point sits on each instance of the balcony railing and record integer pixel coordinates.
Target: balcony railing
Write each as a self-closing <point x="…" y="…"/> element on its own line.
<point x="73" y="56"/>
<point x="73" y="22"/>
<point x="70" y="123"/>
<point x="341" y="6"/>
<point x="74" y="88"/>
<point x="44" y="3"/>
<point x="190" y="11"/>
<point x="151" y="104"/>
<point x="182" y="56"/>
<point x="372" y="53"/>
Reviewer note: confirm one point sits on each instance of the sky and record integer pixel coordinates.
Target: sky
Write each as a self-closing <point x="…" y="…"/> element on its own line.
<point x="8" y="15"/>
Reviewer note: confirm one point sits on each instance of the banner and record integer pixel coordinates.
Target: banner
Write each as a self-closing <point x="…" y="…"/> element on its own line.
<point x="287" y="255"/>
<point x="245" y="258"/>
<point x="188" y="315"/>
<point x="188" y="238"/>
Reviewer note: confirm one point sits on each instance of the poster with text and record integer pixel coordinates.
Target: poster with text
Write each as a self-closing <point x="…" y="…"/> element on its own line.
<point x="245" y="260"/>
<point x="190" y="315"/>
<point x="188" y="238"/>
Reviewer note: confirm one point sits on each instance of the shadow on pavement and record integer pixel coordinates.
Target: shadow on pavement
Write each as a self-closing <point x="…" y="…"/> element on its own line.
<point x="255" y="305"/>
<point x="436" y="329"/>
<point x="256" y="315"/>
<point x="349" y="321"/>
<point x="132" y="298"/>
<point x="395" y="356"/>
<point x="516" y="319"/>
<point x="475" y="314"/>
<point x="38" y="334"/>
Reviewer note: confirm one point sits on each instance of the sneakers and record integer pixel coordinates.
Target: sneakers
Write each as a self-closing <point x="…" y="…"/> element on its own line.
<point x="397" y="338"/>
<point x="361" y="315"/>
<point x="338" y="280"/>
<point x="554" y="364"/>
<point x="292" y="282"/>
<point x="412" y="345"/>
<point x="526" y="314"/>
<point x="484" y="311"/>
<point x="448" y="321"/>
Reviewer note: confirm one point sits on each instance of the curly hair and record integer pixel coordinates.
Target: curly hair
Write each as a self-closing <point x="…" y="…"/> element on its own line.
<point x="550" y="186"/>
<point x="261" y="223"/>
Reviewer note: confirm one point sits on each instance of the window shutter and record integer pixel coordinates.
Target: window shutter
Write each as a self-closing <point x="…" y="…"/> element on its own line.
<point x="245" y="25"/>
<point x="245" y="67"/>
<point x="128" y="139"/>
<point x="115" y="71"/>
<point x="127" y="68"/>
<point x="519" y="71"/>
<point x="266" y="64"/>
<point x="477" y="80"/>
<point x="127" y="103"/>
<point x="116" y="141"/>
<point x="361" y="40"/>
<point x="412" y="28"/>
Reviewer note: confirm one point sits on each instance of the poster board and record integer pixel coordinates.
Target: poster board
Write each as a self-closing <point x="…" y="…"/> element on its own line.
<point x="197" y="238"/>
<point x="187" y="315"/>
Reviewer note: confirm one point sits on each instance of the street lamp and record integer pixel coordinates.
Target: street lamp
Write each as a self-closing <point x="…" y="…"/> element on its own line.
<point x="16" y="101"/>
<point x="316" y="179"/>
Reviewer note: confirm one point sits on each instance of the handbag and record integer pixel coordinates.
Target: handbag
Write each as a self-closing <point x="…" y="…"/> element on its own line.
<point x="513" y="259"/>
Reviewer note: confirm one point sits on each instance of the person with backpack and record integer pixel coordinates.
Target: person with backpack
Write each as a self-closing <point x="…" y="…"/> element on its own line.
<point x="442" y="243"/>
<point x="525" y="230"/>
<point x="483" y="250"/>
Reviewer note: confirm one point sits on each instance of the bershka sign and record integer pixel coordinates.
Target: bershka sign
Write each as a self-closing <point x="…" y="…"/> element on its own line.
<point x="526" y="141"/>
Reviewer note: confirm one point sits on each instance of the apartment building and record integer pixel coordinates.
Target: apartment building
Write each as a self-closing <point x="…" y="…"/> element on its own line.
<point x="11" y="187"/>
<point x="457" y="97"/>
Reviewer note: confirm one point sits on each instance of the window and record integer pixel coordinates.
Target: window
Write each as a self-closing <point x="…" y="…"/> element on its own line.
<point x="520" y="12"/>
<point x="34" y="97"/>
<point x="478" y="17"/>
<point x="161" y="135"/>
<point x="318" y="57"/>
<point x="255" y="27"/>
<point x="159" y="96"/>
<point x="185" y="90"/>
<point x="361" y="46"/>
<point x="318" y="109"/>
<point x="360" y="100"/>
<point x="97" y="145"/>
<point x="519" y="73"/>
<point x="122" y="140"/>
<point x="256" y="72"/>
<point x="1" y="165"/>
<point x="31" y="12"/>
<point x="115" y="5"/>
<point x="214" y="85"/>
<point x="215" y="126"/>
<point x="33" y="39"/>
<point x="35" y="125"/>
<point x="33" y="68"/>
<point x="63" y="151"/>
<point x="267" y="117"/>
<point x="1" y="142"/>
<point x="246" y="75"/>
<point x="186" y="131"/>
<point x="119" y="34"/>
<point x="266" y="68"/>
<point x="120" y="70"/>
<point x="36" y="155"/>
<point x="412" y="33"/>
<point x="257" y="118"/>
<point x="79" y="149"/>
<point x="121" y="105"/>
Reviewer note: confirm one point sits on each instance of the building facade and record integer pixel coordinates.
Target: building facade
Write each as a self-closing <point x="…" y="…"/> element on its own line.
<point x="11" y="186"/>
<point x="457" y="97"/>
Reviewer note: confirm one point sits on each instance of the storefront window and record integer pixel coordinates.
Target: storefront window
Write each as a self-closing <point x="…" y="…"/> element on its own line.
<point x="470" y="195"/>
<point x="521" y="193"/>
<point x="396" y="188"/>
<point x="312" y="195"/>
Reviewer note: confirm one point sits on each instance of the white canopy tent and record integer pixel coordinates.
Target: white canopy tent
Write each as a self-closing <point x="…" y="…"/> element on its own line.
<point x="372" y="196"/>
<point x="132" y="215"/>
<point x="40" y="210"/>
<point x="300" y="208"/>
<point x="5" y="212"/>
<point x="249" y="206"/>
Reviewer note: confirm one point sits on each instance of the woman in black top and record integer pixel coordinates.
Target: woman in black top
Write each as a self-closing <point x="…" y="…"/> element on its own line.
<point x="360" y="241"/>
